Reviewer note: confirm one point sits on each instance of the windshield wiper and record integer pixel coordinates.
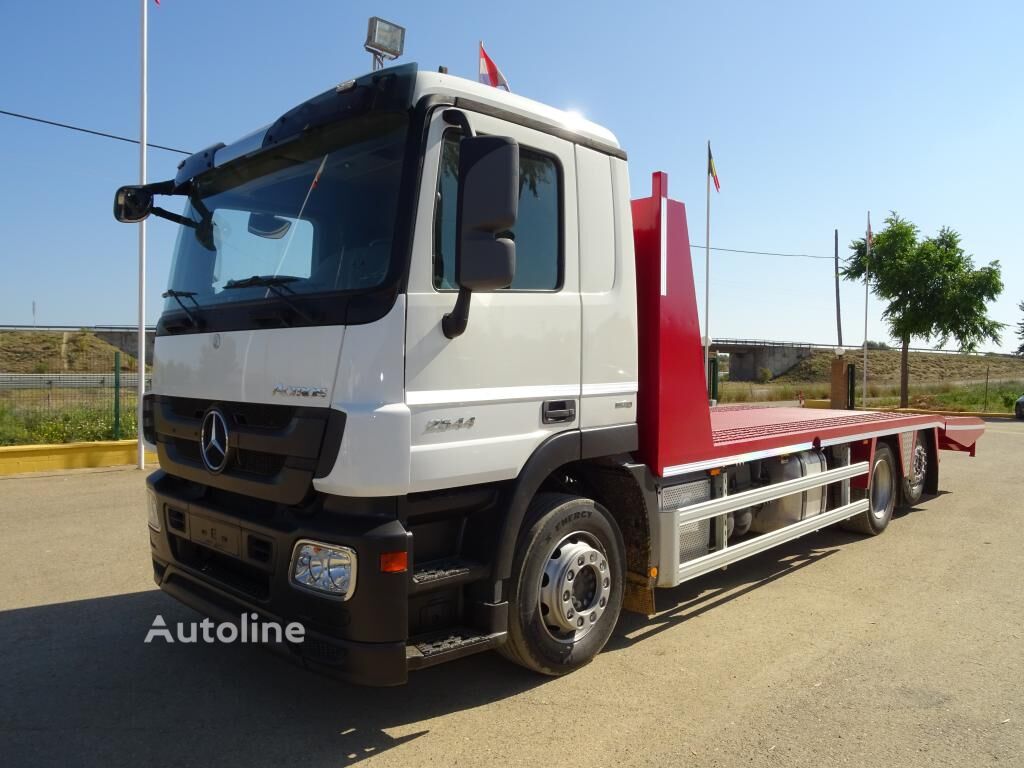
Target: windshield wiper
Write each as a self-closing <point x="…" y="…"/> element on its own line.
<point x="278" y="285"/>
<point x="195" y="319"/>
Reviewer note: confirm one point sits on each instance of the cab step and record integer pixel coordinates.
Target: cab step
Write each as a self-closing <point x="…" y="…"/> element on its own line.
<point x="446" y="645"/>
<point x="450" y="572"/>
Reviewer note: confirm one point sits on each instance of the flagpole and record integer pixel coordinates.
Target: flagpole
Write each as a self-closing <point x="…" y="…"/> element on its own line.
<point x="142" y="236"/>
<point x="867" y="275"/>
<point x="707" y="281"/>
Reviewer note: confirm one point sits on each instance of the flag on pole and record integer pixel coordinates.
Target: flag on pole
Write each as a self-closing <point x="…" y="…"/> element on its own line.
<point x="711" y="170"/>
<point x="870" y="236"/>
<point x="489" y="72"/>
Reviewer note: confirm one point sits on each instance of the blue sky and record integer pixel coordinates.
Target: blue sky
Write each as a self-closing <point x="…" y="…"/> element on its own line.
<point x="816" y="111"/>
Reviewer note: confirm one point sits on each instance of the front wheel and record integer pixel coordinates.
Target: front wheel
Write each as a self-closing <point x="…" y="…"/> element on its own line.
<point x="567" y="583"/>
<point x="881" y="495"/>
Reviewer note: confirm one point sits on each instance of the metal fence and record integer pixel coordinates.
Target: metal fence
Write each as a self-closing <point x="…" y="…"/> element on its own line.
<point x="69" y="388"/>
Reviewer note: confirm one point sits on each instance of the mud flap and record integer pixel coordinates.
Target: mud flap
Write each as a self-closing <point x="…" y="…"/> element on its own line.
<point x="638" y="596"/>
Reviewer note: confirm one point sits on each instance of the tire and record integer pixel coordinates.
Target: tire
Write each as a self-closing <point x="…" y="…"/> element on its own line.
<point x="560" y="532"/>
<point x="913" y="482"/>
<point x="881" y="495"/>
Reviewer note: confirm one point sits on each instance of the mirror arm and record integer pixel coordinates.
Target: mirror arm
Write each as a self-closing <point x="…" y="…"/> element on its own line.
<point x="458" y="118"/>
<point x="454" y="323"/>
<point x="176" y="218"/>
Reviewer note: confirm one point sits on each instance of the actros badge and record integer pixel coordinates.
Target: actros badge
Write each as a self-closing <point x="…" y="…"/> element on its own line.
<point x="293" y="391"/>
<point x="447" y="425"/>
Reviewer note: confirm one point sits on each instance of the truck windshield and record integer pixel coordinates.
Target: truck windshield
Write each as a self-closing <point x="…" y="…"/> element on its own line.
<point x="318" y="211"/>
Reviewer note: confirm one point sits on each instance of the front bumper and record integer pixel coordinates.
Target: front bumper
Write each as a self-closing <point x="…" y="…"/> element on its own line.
<point x="362" y="640"/>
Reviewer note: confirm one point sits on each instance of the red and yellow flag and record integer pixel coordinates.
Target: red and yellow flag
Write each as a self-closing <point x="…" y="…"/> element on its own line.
<point x="711" y="170"/>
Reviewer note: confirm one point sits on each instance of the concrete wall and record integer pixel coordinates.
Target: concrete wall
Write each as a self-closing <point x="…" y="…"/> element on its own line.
<point x="744" y="363"/>
<point x="128" y="342"/>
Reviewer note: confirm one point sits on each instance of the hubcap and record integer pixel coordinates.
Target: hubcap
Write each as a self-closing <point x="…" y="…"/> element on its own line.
<point x="574" y="588"/>
<point x="918" y="470"/>
<point x="881" y="489"/>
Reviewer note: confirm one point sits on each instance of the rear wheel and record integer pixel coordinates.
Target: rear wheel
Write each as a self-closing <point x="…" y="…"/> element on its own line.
<point x="566" y="588"/>
<point x="913" y="481"/>
<point x="881" y="495"/>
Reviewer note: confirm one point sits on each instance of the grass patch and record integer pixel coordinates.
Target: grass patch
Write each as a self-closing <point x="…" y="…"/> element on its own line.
<point x="963" y="398"/>
<point x="71" y="425"/>
<point x="753" y="392"/>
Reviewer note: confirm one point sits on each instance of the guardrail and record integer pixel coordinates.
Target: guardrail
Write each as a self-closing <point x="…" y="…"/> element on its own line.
<point x="75" y="328"/>
<point x="852" y="348"/>
<point x="71" y="380"/>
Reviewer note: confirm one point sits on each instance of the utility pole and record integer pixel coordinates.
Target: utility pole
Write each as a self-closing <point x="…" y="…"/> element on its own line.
<point x="839" y="316"/>
<point x="141" y="387"/>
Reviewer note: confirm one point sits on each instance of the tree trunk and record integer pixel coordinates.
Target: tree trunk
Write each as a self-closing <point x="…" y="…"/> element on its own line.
<point x="904" y="372"/>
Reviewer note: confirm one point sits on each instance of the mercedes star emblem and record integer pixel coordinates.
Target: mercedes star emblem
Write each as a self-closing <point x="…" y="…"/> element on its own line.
<point x="213" y="441"/>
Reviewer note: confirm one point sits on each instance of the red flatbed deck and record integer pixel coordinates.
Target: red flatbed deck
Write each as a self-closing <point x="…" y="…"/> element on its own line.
<point x="745" y="432"/>
<point x="747" y="428"/>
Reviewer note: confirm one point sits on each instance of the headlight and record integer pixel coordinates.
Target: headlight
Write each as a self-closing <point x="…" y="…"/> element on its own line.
<point x="324" y="568"/>
<point x="153" y="508"/>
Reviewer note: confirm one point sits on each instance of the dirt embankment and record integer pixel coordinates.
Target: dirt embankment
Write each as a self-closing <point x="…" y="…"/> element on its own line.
<point x="884" y="365"/>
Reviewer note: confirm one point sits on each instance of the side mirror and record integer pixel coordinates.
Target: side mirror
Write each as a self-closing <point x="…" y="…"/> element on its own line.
<point x="132" y="204"/>
<point x="488" y="203"/>
<point x="268" y="225"/>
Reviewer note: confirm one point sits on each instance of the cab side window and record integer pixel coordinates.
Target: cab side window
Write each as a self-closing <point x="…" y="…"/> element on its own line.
<point x="538" y="229"/>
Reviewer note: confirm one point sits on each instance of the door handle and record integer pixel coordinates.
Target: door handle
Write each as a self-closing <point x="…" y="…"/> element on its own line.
<point x="558" y="411"/>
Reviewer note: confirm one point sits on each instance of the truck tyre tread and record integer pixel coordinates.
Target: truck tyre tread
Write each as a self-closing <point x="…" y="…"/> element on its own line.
<point x="550" y="517"/>
<point x="912" y="494"/>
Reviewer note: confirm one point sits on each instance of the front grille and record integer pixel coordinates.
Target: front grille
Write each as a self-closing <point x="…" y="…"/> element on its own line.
<point x="273" y="449"/>
<point x="247" y="414"/>
<point x="225" y="570"/>
<point x="259" y="464"/>
<point x="259" y="549"/>
<point x="177" y="521"/>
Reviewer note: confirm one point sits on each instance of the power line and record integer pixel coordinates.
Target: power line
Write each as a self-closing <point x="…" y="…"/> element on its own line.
<point x="87" y="130"/>
<point x="765" y="253"/>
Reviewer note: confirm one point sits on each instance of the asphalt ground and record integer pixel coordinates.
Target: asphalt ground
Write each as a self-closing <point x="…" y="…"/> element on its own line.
<point x="902" y="650"/>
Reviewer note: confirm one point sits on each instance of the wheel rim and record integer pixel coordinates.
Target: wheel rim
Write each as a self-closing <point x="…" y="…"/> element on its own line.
<point x="575" y="587"/>
<point x="881" y="490"/>
<point x="919" y="469"/>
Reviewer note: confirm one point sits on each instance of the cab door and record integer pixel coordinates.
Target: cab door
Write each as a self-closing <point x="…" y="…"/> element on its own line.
<point x="481" y="403"/>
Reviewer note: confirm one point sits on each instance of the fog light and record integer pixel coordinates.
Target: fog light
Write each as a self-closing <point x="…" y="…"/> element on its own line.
<point x="324" y="568"/>
<point x="153" y="508"/>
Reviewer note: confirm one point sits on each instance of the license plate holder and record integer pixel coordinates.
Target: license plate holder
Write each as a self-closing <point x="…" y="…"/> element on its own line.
<point x="222" y="537"/>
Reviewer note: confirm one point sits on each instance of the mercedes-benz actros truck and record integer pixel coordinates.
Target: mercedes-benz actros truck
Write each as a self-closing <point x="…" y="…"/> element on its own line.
<point x="429" y="382"/>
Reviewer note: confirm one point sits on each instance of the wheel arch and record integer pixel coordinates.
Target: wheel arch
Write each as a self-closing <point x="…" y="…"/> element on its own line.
<point x="622" y="486"/>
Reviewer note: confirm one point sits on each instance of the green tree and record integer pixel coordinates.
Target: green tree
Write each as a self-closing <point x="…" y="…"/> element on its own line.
<point x="1020" y="331"/>
<point x="931" y="285"/>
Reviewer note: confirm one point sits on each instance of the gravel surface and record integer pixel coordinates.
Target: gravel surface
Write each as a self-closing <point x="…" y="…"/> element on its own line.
<point x="904" y="650"/>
